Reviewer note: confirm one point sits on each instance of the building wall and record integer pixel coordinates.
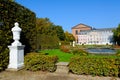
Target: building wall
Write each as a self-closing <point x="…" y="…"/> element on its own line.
<point x="76" y="30"/>
<point x="103" y="36"/>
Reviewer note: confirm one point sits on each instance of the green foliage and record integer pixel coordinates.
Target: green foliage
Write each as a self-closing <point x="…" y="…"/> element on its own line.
<point x="116" y="35"/>
<point x="79" y="52"/>
<point x="69" y="37"/>
<point x="11" y="0"/>
<point x="73" y="50"/>
<point x="36" y="61"/>
<point x="48" y="34"/>
<point x="4" y="59"/>
<point x="91" y="65"/>
<point x="11" y="12"/>
<point x="44" y="26"/>
<point x="65" y="43"/>
<point x="47" y="42"/>
<point x="60" y="33"/>
<point x="118" y="52"/>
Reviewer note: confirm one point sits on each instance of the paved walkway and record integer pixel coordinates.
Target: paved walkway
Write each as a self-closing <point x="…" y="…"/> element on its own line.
<point x="28" y="75"/>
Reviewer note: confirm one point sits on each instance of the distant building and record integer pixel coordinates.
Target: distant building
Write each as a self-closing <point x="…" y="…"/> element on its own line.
<point x="87" y="35"/>
<point x="76" y="30"/>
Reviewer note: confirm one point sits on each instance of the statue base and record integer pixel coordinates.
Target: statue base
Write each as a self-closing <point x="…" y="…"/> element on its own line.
<point x="16" y="57"/>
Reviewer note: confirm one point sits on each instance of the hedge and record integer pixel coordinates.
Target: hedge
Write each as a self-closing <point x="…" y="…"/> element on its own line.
<point x="97" y="66"/>
<point x="36" y="62"/>
<point x="11" y="12"/>
<point x="4" y="60"/>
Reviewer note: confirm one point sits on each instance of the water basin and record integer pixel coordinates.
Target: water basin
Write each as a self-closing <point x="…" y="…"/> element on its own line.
<point x="101" y="50"/>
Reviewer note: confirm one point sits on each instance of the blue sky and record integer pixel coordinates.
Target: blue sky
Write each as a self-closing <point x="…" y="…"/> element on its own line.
<point x="68" y="13"/>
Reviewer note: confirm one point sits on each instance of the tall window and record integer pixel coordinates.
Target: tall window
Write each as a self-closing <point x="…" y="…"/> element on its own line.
<point x="76" y="32"/>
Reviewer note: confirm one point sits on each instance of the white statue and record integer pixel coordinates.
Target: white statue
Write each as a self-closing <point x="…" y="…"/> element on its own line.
<point x="16" y="35"/>
<point x="16" y="54"/>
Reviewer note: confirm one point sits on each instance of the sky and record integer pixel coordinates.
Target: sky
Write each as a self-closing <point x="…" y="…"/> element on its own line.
<point x="69" y="13"/>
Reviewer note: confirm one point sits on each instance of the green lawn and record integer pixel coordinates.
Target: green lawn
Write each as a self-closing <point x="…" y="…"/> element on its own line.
<point x="63" y="57"/>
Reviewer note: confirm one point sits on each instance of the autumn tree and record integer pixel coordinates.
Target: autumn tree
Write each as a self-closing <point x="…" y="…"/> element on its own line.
<point x="69" y="37"/>
<point x="47" y="34"/>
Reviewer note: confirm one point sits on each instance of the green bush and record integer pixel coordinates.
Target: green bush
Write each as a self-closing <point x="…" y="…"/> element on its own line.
<point x="79" y="52"/>
<point x="47" y="41"/>
<point x="36" y="61"/>
<point x="73" y="50"/>
<point x="4" y="59"/>
<point x="11" y="12"/>
<point x="118" y="53"/>
<point x="100" y="66"/>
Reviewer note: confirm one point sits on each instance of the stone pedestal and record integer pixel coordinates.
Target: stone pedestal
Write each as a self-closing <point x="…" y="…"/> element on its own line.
<point x="62" y="67"/>
<point x="16" y="57"/>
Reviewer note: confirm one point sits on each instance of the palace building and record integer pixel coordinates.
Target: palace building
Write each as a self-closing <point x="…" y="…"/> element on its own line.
<point x="76" y="29"/>
<point x="86" y="35"/>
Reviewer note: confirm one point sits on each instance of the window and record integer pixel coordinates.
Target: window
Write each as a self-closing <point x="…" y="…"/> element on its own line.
<point x="76" y="32"/>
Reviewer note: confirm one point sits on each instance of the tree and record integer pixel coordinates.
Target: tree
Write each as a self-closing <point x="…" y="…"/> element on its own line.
<point x="116" y="35"/>
<point x="69" y="37"/>
<point x="12" y="0"/>
<point x="60" y="33"/>
<point x="46" y="34"/>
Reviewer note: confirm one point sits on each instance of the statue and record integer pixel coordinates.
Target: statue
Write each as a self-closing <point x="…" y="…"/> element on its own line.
<point x="16" y="54"/>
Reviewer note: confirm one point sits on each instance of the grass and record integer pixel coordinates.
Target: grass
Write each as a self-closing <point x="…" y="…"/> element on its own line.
<point x="63" y="57"/>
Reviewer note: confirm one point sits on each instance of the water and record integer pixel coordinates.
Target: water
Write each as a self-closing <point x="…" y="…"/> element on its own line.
<point x="101" y="51"/>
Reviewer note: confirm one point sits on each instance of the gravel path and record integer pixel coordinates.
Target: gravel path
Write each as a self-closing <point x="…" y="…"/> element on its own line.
<point x="27" y="75"/>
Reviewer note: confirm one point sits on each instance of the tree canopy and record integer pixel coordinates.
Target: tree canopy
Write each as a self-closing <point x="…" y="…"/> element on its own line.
<point x="60" y="33"/>
<point x="48" y="34"/>
<point x="69" y="37"/>
<point x="116" y="35"/>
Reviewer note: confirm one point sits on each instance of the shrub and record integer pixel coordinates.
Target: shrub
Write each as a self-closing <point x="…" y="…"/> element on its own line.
<point x="73" y="50"/>
<point x="48" y="41"/>
<point x="66" y="43"/>
<point x="79" y="52"/>
<point x="118" y="53"/>
<point x="36" y="61"/>
<point x="100" y="66"/>
<point x="11" y="12"/>
<point x="4" y="59"/>
<point x="65" y="48"/>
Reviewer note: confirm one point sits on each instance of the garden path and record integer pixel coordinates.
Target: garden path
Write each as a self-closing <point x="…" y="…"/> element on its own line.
<point x="39" y="75"/>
